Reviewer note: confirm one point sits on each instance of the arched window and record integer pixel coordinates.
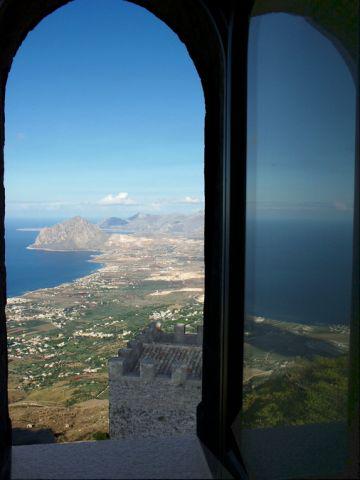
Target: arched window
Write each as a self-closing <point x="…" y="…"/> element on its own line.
<point x="107" y="154"/>
<point x="216" y="35"/>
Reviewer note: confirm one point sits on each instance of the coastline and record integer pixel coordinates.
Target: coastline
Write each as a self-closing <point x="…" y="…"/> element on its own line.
<point x="29" y="229"/>
<point x="63" y="251"/>
<point x="62" y="337"/>
<point x="61" y="285"/>
<point x="110" y="263"/>
<point x="93" y="259"/>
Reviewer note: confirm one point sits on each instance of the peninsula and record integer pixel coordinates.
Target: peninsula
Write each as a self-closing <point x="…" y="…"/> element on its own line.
<point x="79" y="234"/>
<point x="74" y="234"/>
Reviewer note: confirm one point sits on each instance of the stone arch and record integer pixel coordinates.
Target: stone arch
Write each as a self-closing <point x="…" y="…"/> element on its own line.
<point x="204" y="26"/>
<point x="194" y="24"/>
<point x="196" y="27"/>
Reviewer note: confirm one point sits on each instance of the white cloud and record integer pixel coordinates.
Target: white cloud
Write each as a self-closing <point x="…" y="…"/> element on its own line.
<point x="122" y="198"/>
<point x="192" y="200"/>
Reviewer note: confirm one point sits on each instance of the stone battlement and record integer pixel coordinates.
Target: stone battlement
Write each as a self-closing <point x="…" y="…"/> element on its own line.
<point x="154" y="334"/>
<point x="155" y="383"/>
<point x="174" y="356"/>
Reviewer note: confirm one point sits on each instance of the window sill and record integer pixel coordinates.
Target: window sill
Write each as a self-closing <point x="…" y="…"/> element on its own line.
<point x="174" y="457"/>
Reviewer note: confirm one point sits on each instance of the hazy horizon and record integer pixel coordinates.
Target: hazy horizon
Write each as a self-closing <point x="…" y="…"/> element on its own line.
<point x="113" y="123"/>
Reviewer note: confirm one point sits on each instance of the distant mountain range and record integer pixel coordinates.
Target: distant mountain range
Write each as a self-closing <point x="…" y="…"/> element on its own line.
<point x="147" y="224"/>
<point x="79" y="234"/>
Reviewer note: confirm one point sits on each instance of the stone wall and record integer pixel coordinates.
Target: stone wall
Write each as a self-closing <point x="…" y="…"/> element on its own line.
<point x="155" y="384"/>
<point x="152" y="409"/>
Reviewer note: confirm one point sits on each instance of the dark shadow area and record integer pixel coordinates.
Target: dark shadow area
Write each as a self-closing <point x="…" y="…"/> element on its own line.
<point x="23" y="436"/>
<point x="296" y="452"/>
<point x="286" y="343"/>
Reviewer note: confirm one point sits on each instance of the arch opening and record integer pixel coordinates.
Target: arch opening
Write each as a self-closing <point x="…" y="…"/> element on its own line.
<point x="149" y="247"/>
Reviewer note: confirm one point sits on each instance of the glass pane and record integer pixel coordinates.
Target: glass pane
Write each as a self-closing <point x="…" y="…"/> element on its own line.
<point x="301" y="150"/>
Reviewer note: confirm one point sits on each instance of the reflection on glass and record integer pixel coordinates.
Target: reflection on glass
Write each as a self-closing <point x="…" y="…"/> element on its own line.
<point x="301" y="150"/>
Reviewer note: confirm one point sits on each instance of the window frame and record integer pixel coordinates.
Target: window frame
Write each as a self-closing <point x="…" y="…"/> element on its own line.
<point x="230" y="455"/>
<point x="223" y="401"/>
<point x="215" y="33"/>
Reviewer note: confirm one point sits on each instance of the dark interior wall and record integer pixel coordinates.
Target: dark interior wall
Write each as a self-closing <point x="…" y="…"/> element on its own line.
<point x="17" y="18"/>
<point x="4" y="415"/>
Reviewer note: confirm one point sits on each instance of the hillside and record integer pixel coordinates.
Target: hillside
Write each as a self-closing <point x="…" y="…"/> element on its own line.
<point x="74" y="234"/>
<point x="308" y="392"/>
<point x="60" y="338"/>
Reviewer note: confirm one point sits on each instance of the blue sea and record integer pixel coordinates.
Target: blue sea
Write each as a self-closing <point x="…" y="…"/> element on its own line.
<point x="28" y="270"/>
<point x="300" y="270"/>
<point x="296" y="270"/>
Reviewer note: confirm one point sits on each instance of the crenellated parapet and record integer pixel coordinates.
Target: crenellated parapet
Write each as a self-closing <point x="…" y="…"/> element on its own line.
<point x="153" y="333"/>
<point x="174" y="356"/>
<point x="156" y="381"/>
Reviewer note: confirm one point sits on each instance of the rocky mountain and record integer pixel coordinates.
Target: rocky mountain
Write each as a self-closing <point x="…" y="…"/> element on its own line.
<point x="74" y="234"/>
<point x="170" y="224"/>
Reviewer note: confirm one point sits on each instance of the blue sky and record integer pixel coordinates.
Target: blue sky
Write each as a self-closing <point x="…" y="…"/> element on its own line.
<point x="301" y="118"/>
<point x="103" y="99"/>
<point x="105" y="116"/>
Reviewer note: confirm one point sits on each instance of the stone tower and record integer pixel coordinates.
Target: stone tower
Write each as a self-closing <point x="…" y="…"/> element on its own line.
<point x="155" y="383"/>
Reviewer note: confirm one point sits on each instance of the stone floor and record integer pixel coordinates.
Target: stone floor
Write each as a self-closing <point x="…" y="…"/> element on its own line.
<point x="172" y="457"/>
